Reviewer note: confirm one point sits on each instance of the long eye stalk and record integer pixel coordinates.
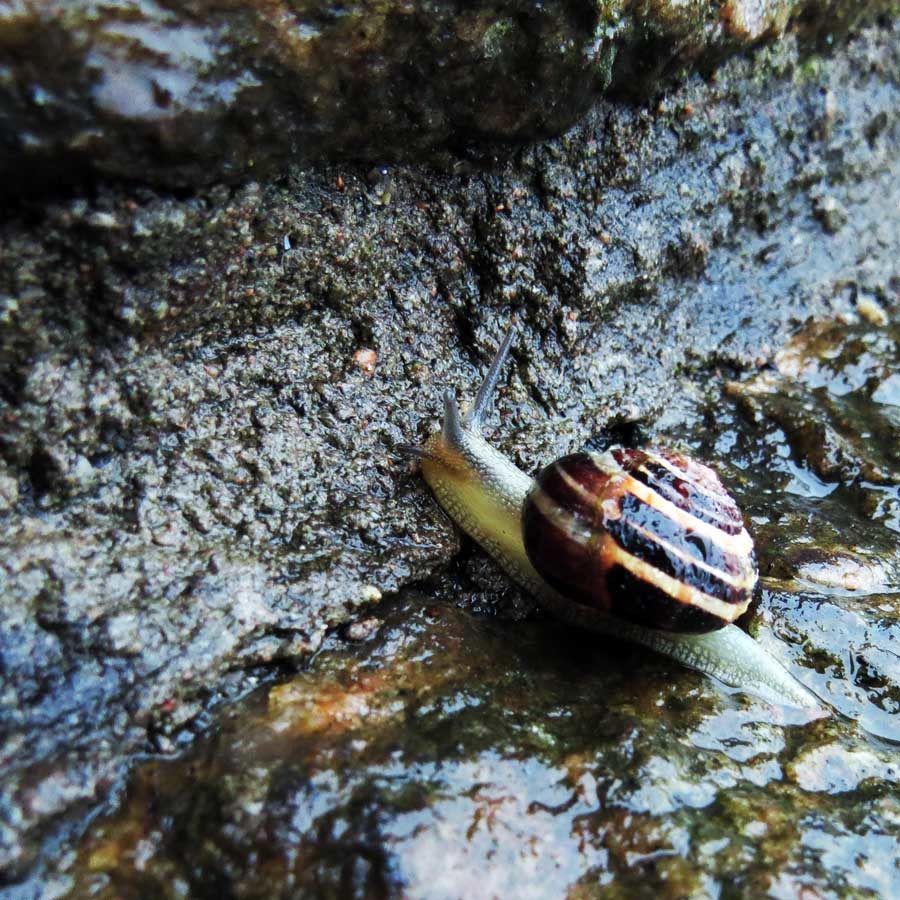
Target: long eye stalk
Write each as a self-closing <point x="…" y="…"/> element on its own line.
<point x="453" y="425"/>
<point x="484" y="399"/>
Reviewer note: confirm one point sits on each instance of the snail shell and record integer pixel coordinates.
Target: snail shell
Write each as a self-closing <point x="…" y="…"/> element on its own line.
<point x="647" y="536"/>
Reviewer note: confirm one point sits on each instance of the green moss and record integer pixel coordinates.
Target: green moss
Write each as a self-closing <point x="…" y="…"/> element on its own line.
<point x="811" y="70"/>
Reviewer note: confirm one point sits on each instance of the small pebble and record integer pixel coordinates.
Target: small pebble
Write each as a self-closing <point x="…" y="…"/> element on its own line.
<point x="370" y="594"/>
<point x="362" y="630"/>
<point x="9" y="492"/>
<point x="872" y="311"/>
<point x="102" y="220"/>
<point x="366" y="359"/>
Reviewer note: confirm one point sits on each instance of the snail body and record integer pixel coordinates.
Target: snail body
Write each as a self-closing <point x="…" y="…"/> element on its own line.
<point x="642" y="545"/>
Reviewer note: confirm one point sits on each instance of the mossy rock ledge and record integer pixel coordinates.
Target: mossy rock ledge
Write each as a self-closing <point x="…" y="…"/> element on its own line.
<point x="187" y="94"/>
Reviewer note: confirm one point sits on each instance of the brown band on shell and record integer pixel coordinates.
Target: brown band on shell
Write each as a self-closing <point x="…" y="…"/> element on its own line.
<point x="562" y="547"/>
<point x="635" y="601"/>
<point x="593" y="529"/>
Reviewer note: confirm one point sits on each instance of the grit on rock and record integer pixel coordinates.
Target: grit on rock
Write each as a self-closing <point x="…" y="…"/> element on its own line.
<point x="202" y="396"/>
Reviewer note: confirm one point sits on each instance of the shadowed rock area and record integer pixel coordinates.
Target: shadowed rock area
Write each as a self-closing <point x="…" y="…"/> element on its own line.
<point x="188" y="93"/>
<point x="201" y="397"/>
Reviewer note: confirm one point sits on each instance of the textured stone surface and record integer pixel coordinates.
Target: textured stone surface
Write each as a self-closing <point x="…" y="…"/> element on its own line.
<point x="459" y="756"/>
<point x="201" y="396"/>
<point x="185" y="93"/>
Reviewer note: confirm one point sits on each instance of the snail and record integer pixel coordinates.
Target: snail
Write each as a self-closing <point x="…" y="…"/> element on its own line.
<point x="644" y="545"/>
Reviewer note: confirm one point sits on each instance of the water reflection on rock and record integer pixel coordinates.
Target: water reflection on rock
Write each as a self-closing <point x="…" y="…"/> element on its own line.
<point x="457" y="757"/>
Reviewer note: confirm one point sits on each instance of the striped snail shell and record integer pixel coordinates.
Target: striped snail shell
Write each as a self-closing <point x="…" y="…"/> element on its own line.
<point x="648" y="536"/>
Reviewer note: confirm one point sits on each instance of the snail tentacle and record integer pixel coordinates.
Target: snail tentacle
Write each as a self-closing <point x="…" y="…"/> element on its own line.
<point x="484" y="398"/>
<point x="452" y="426"/>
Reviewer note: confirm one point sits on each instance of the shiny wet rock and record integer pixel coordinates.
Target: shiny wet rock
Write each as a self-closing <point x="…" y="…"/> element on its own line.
<point x="454" y="756"/>
<point x="198" y="479"/>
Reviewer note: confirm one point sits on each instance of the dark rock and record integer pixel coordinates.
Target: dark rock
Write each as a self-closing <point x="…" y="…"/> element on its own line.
<point x="184" y="94"/>
<point x="198" y="479"/>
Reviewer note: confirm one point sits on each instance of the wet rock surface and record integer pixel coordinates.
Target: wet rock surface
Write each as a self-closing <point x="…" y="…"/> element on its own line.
<point x="828" y="535"/>
<point x="189" y="93"/>
<point x="202" y="399"/>
<point x="460" y="754"/>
